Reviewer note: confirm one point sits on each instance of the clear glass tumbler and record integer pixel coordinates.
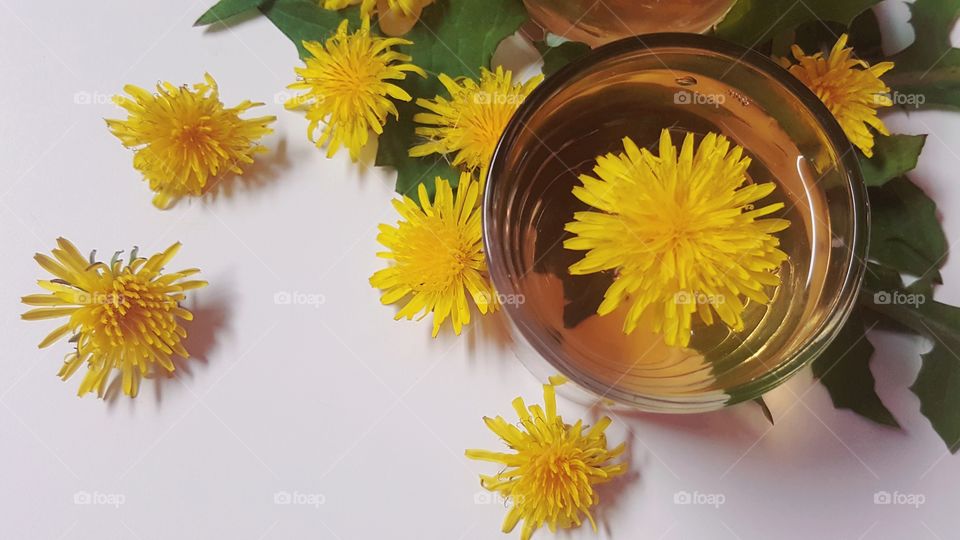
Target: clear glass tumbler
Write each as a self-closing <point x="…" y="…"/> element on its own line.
<point x="686" y="83"/>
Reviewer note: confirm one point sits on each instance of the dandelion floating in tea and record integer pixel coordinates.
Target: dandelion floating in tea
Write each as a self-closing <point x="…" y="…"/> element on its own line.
<point x="681" y="233"/>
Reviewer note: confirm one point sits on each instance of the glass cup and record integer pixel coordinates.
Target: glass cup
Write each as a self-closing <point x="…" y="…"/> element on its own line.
<point x="596" y="23"/>
<point x="637" y="87"/>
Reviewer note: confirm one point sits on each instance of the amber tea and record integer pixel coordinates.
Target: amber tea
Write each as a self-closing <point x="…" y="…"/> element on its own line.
<point x="597" y="23"/>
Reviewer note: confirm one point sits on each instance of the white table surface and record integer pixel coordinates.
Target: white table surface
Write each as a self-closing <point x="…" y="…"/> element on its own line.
<point x="337" y="403"/>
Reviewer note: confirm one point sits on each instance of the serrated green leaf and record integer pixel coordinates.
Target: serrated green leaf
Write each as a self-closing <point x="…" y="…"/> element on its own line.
<point x="455" y="38"/>
<point x="305" y="20"/>
<point x="411" y="172"/>
<point x="922" y="286"/>
<point x="844" y="369"/>
<point x="905" y="233"/>
<point x="893" y="156"/>
<point x="938" y="384"/>
<point x="817" y="35"/>
<point x="930" y="67"/>
<point x="938" y="387"/>
<point x="555" y="58"/>
<point x="224" y="9"/>
<point x="751" y="22"/>
<point x="865" y="37"/>
<point x="452" y="37"/>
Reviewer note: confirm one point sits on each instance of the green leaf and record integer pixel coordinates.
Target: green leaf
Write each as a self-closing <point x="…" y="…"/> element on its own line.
<point x="224" y="9"/>
<point x="765" y="409"/>
<point x="818" y="35"/>
<point x="893" y="156"/>
<point x="751" y="22"/>
<point x="938" y="384"/>
<point x="452" y="37"/>
<point x="905" y="233"/>
<point x="865" y="37"/>
<point x="411" y="172"/>
<point x="305" y="20"/>
<point x="844" y="369"/>
<point x="927" y="73"/>
<point x="555" y="58"/>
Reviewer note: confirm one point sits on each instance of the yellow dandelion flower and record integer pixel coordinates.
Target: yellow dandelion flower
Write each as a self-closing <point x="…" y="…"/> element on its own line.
<point x="340" y="4"/>
<point x="397" y="17"/>
<point x="849" y="87"/>
<point x="681" y="233"/>
<point x="121" y="316"/>
<point x="368" y="7"/>
<point x="549" y="477"/>
<point x="347" y="83"/>
<point x="437" y="255"/>
<point x="471" y="122"/>
<point x="183" y="137"/>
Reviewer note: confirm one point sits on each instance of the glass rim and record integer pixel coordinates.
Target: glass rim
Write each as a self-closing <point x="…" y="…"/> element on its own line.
<point x="847" y="160"/>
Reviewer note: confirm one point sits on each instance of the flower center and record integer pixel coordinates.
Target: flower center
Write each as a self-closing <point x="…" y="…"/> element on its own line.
<point x="192" y="136"/>
<point x="130" y="307"/>
<point x="556" y="471"/>
<point x="443" y="256"/>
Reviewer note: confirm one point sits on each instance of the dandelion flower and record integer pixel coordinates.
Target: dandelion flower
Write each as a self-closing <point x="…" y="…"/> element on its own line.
<point x="470" y="123"/>
<point x="182" y="137"/>
<point x="681" y="233"/>
<point x="549" y="477"/>
<point x="397" y="17"/>
<point x="340" y="4"/>
<point x="849" y="87"/>
<point x="348" y="86"/>
<point x="437" y="256"/>
<point x="120" y="316"/>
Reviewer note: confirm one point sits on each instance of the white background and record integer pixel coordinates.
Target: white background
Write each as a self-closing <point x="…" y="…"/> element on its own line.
<point x="339" y="400"/>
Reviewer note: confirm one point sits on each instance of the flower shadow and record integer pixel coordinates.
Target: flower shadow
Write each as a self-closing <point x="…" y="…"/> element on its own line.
<point x="263" y="172"/>
<point x="492" y="333"/>
<point x="210" y="318"/>
<point x="728" y="427"/>
<point x="612" y="493"/>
